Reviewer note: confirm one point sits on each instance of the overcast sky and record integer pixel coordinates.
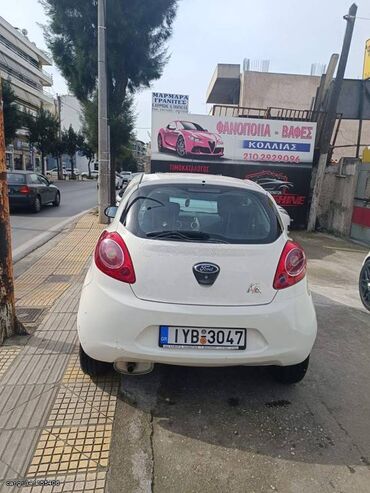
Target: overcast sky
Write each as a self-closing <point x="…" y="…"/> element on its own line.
<point x="292" y="34"/>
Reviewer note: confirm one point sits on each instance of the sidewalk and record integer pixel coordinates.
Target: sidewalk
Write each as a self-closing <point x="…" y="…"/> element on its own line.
<point x="55" y="422"/>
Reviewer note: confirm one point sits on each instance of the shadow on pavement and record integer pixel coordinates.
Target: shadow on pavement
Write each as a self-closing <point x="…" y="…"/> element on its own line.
<point x="322" y="420"/>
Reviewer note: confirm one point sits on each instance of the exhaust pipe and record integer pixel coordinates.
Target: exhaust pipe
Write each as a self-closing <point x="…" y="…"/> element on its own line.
<point x="133" y="368"/>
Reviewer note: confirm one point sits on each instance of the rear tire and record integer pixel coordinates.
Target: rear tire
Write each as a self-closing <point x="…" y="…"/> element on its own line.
<point x="93" y="367"/>
<point x="291" y="374"/>
<point x="364" y="284"/>
<point x="56" y="202"/>
<point x="36" y="207"/>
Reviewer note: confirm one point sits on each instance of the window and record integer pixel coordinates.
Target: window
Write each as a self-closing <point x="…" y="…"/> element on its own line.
<point x="202" y="213"/>
<point x="16" y="179"/>
<point x="192" y="126"/>
<point x="33" y="179"/>
<point x="42" y="180"/>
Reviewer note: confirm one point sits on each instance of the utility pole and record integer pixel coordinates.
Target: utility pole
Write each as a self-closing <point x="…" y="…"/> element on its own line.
<point x="103" y="144"/>
<point x="9" y="325"/>
<point x="59" y="158"/>
<point x="331" y="117"/>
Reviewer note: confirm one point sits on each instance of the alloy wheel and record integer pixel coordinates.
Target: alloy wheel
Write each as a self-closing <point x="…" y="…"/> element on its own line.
<point x="180" y="147"/>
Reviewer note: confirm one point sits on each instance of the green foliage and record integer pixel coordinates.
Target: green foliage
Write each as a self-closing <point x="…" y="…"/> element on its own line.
<point x="13" y="118"/>
<point x="71" y="142"/>
<point x="137" y="31"/>
<point x="43" y="131"/>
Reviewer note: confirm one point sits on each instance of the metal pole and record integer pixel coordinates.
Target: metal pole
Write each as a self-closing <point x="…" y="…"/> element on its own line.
<point x="331" y="117"/>
<point x="8" y="322"/>
<point x="103" y="146"/>
<point x="361" y="104"/>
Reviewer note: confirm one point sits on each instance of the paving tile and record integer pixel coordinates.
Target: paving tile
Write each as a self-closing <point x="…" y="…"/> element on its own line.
<point x="84" y="403"/>
<point x="16" y="450"/>
<point x="92" y="482"/>
<point x="44" y="295"/>
<point x="52" y="342"/>
<point x="36" y="369"/>
<point x="60" y="321"/>
<point x="71" y="449"/>
<point x="7" y="356"/>
<point x="25" y="406"/>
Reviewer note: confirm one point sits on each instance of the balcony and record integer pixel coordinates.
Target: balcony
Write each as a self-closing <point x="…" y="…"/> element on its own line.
<point x="224" y="87"/>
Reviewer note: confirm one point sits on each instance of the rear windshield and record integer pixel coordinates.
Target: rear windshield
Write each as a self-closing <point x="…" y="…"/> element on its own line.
<point x="205" y="213"/>
<point x="16" y="179"/>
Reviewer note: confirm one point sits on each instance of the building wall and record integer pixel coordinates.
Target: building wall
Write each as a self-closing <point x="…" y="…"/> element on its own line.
<point x="336" y="199"/>
<point x="264" y="89"/>
<point x="21" y="63"/>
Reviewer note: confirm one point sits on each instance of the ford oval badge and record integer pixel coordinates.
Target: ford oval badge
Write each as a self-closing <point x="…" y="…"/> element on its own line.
<point x="206" y="273"/>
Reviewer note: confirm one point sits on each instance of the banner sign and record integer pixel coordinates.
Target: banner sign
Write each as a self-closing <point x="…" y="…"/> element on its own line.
<point x="170" y="102"/>
<point x="289" y="185"/>
<point x="184" y="137"/>
<point x="366" y="70"/>
<point x="275" y="154"/>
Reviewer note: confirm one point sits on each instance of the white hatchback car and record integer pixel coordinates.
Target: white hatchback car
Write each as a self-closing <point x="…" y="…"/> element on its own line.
<point x="196" y="270"/>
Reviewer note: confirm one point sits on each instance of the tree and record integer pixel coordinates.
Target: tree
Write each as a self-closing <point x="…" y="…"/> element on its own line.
<point x="43" y="133"/>
<point x="13" y="119"/>
<point x="89" y="154"/>
<point x="72" y="142"/>
<point x="137" y="31"/>
<point x="9" y="324"/>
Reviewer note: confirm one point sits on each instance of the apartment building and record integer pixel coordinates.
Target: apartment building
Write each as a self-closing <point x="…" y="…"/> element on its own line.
<point x="21" y="63"/>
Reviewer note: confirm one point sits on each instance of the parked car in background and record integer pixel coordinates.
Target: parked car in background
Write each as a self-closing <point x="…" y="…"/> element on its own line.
<point x="31" y="190"/>
<point x="53" y="173"/>
<point x="76" y="172"/>
<point x="124" y="177"/>
<point x="196" y="270"/>
<point x="94" y="174"/>
<point x="364" y="283"/>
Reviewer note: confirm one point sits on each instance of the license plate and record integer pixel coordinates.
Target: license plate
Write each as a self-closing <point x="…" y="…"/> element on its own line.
<point x="201" y="338"/>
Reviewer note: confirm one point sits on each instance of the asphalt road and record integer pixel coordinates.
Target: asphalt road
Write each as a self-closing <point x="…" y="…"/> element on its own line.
<point x="30" y="230"/>
<point x="236" y="430"/>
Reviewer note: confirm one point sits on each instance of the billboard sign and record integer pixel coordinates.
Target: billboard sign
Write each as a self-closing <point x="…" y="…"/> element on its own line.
<point x="289" y="185"/>
<point x="170" y="102"/>
<point x="366" y="72"/>
<point x="276" y="154"/>
<point x="183" y="137"/>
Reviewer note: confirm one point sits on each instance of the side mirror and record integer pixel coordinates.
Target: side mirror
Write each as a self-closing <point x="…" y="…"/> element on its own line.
<point x="50" y="182"/>
<point x="111" y="211"/>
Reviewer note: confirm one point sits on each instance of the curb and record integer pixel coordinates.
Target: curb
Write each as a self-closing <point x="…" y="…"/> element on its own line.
<point x="40" y="240"/>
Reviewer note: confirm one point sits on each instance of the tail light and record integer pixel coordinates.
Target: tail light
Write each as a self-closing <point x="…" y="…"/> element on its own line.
<point x="292" y="266"/>
<point x="24" y="189"/>
<point x="113" y="258"/>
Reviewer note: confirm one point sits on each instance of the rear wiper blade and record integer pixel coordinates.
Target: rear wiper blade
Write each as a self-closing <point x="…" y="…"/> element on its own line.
<point x="187" y="235"/>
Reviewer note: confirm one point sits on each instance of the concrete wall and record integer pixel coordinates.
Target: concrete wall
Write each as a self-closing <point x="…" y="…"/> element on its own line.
<point x="264" y="89"/>
<point x="336" y="203"/>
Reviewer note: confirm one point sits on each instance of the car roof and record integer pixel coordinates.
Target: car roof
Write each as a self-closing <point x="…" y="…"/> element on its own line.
<point x="194" y="178"/>
<point x="21" y="172"/>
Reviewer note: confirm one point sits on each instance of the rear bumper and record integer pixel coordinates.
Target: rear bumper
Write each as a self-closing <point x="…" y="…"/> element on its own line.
<point x="115" y="325"/>
<point x="21" y="200"/>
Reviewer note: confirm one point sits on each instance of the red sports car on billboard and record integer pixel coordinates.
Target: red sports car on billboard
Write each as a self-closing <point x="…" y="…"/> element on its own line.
<point x="189" y="139"/>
